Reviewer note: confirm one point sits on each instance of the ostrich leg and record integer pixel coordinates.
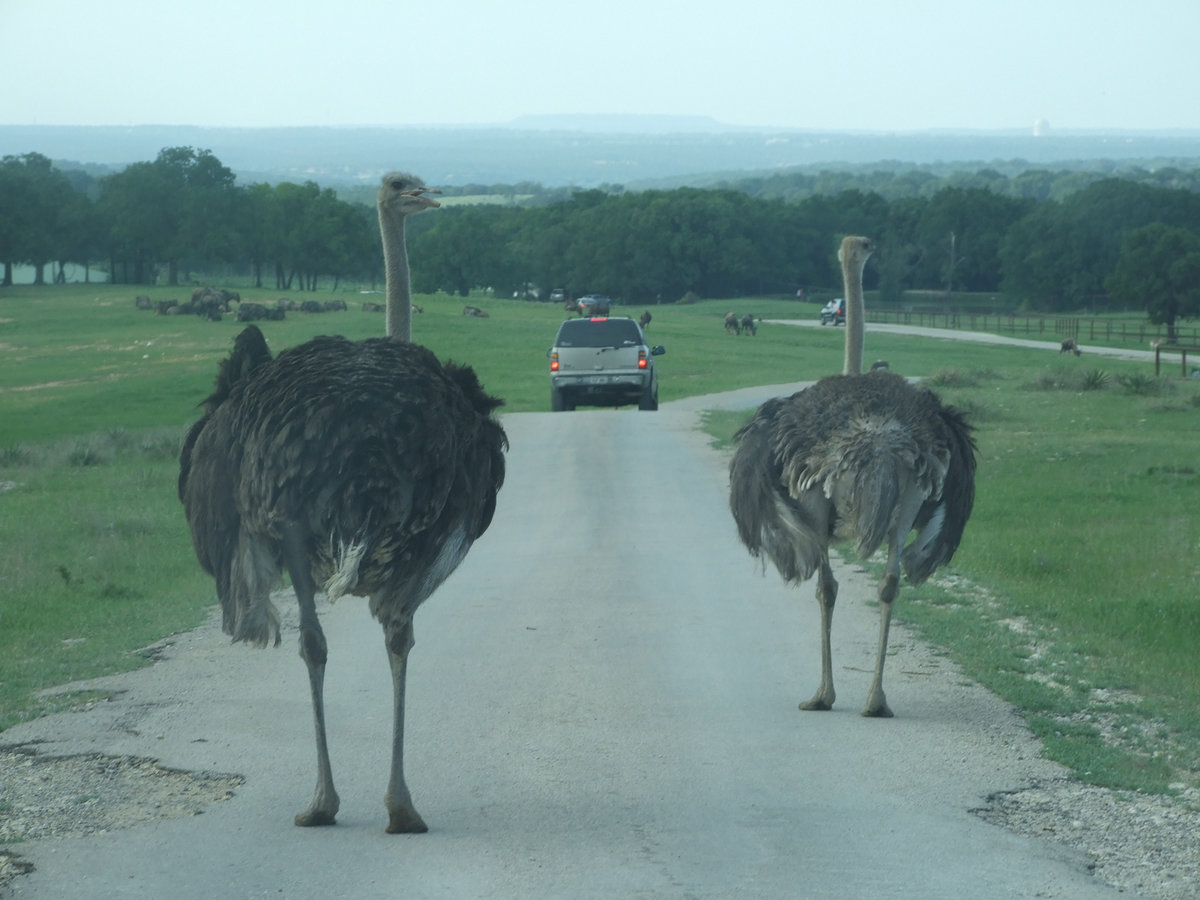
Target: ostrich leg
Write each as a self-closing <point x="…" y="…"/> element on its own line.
<point x="889" y="587"/>
<point x="314" y="651"/>
<point x="402" y="816"/>
<point x="827" y="588"/>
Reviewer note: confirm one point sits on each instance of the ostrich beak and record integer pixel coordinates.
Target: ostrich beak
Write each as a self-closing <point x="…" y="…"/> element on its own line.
<point x="418" y="194"/>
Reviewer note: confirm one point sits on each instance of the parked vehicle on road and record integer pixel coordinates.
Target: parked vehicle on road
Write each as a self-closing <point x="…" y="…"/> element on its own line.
<point x="834" y="312"/>
<point x="594" y="305"/>
<point x="601" y="361"/>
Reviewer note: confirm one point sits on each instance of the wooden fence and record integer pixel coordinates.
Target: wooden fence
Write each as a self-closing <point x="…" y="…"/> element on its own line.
<point x="1082" y="328"/>
<point x="1160" y="349"/>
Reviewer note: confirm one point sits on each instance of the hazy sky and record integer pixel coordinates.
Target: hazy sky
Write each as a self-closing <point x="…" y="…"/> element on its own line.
<point x="889" y="65"/>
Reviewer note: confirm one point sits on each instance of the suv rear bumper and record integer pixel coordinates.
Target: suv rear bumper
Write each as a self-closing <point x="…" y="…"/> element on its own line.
<point x="602" y="389"/>
<point x="602" y="383"/>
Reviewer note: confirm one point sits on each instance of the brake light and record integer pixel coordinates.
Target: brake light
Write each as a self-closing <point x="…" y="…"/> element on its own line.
<point x="598" y="319"/>
<point x="642" y="361"/>
<point x="553" y="362"/>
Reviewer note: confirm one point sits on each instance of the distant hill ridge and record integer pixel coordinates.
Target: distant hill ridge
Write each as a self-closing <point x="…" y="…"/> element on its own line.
<point x="584" y="151"/>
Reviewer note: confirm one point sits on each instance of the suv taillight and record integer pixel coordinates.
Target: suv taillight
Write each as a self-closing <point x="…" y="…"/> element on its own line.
<point x="553" y="362"/>
<point x="642" y="361"/>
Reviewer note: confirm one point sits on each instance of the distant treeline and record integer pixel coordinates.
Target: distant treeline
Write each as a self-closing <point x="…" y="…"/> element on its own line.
<point x="1049" y="240"/>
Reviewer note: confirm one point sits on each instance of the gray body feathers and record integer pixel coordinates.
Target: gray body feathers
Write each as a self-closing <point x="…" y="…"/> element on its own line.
<point x="853" y="456"/>
<point x="385" y="461"/>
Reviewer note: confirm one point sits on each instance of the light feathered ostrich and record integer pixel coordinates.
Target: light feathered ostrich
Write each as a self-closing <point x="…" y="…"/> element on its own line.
<point x="362" y="467"/>
<point x="864" y="456"/>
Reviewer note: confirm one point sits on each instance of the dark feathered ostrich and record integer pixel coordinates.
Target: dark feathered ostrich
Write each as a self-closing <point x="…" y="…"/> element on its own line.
<point x="864" y="456"/>
<point x="361" y="467"/>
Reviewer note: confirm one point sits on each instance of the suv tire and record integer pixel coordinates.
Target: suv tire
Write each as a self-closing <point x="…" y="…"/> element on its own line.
<point x="649" y="398"/>
<point x="559" y="402"/>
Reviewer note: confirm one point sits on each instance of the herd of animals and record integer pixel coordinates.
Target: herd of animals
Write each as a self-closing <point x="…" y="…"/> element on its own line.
<point x="215" y="303"/>
<point x="370" y="467"/>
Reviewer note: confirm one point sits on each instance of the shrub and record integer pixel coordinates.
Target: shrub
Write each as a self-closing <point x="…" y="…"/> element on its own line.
<point x="16" y="455"/>
<point x="1140" y="384"/>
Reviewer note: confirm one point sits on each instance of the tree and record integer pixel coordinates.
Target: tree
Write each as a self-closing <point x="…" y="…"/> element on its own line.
<point x="181" y="206"/>
<point x="78" y="234"/>
<point x="1060" y="254"/>
<point x="468" y="247"/>
<point x="34" y="192"/>
<point x="138" y="225"/>
<point x="1159" y="270"/>
<point x="959" y="234"/>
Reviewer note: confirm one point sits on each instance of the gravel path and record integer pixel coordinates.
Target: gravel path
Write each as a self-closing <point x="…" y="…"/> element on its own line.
<point x="1142" y="845"/>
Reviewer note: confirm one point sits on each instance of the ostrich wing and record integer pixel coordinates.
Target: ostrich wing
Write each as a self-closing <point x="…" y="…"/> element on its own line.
<point x="208" y="465"/>
<point x="941" y="522"/>
<point x="791" y="531"/>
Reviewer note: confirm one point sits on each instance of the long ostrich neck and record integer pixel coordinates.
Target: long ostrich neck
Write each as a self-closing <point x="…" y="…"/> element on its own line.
<point x="852" y="274"/>
<point x="395" y="262"/>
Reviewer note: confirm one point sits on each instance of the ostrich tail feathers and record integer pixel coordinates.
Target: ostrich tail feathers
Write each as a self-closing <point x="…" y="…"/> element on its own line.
<point x="249" y="352"/>
<point x="874" y="495"/>
<point x="468" y="382"/>
<point x="248" y="613"/>
<point x="257" y="623"/>
<point x="347" y="559"/>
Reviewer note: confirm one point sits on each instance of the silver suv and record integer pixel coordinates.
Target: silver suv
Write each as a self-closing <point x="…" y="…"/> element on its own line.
<point x="601" y="361"/>
<point x="834" y="312"/>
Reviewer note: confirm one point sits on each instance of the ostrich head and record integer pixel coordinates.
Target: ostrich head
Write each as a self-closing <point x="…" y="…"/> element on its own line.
<point x="853" y="256"/>
<point x="854" y="251"/>
<point x="400" y="195"/>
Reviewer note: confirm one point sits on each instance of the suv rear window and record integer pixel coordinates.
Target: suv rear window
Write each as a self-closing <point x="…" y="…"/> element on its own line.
<point x="598" y="333"/>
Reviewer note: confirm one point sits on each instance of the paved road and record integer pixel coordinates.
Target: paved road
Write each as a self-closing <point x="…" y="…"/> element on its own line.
<point x="602" y="705"/>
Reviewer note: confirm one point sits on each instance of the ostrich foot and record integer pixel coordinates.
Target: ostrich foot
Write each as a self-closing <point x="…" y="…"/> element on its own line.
<point x="821" y="701"/>
<point x="405" y="821"/>
<point x="877" y="707"/>
<point x="314" y="817"/>
<point x="322" y="810"/>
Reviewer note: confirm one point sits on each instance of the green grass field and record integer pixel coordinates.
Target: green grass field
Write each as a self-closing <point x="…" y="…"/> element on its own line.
<point x="1073" y="595"/>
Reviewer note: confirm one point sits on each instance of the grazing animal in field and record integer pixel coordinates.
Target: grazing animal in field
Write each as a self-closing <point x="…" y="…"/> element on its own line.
<point x="365" y="468"/>
<point x="475" y="312"/>
<point x="748" y="325"/>
<point x="1069" y="346"/>
<point x="859" y="456"/>
<point x="732" y="324"/>
<point x="256" y="312"/>
<point x="644" y="319"/>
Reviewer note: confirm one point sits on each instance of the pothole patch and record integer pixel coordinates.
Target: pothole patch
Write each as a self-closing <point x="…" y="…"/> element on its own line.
<point x="44" y="796"/>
